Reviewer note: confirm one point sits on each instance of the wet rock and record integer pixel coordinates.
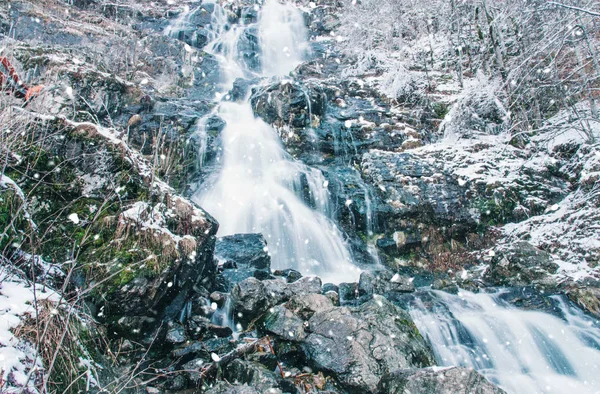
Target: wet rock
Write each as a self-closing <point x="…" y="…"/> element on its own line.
<point x="453" y="380"/>
<point x="176" y="334"/>
<point x="244" y="255"/>
<point x="289" y="274"/>
<point x="415" y="188"/>
<point x="349" y="293"/>
<point x="384" y="283"/>
<point x="446" y="285"/>
<point x="252" y="374"/>
<point x="218" y="297"/>
<point x="530" y="298"/>
<point x="521" y="264"/>
<point x="241" y="89"/>
<point x="307" y="305"/>
<point x="226" y="388"/>
<point x="192" y="351"/>
<point x="333" y="296"/>
<point x="215" y="125"/>
<point x="201" y="327"/>
<point x="191" y="28"/>
<point x="359" y="344"/>
<point x="205" y="79"/>
<point x="249" y="49"/>
<point x="244" y="249"/>
<point x="586" y="294"/>
<point x="400" y="242"/>
<point x="253" y="297"/>
<point x="283" y="323"/>
<point x="289" y="104"/>
<point x="305" y="285"/>
<point x="250" y="299"/>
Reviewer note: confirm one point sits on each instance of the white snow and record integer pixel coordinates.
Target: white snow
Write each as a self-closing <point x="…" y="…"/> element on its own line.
<point x="17" y="356"/>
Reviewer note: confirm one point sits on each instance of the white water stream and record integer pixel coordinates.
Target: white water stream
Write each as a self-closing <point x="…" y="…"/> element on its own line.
<point x="523" y="351"/>
<point x="259" y="187"/>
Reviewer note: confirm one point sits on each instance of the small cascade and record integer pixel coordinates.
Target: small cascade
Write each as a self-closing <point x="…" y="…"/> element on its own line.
<point x="260" y="188"/>
<point x="202" y="135"/>
<point x="371" y="221"/>
<point x="282" y="38"/>
<point x="223" y="316"/>
<point x="523" y="351"/>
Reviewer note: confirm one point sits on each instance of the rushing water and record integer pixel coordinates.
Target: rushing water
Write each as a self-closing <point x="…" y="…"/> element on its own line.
<point x="522" y="351"/>
<point x="259" y="188"/>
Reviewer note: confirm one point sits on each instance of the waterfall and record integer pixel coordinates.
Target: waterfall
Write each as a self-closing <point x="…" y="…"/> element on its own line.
<point x="523" y="351"/>
<point x="260" y="188"/>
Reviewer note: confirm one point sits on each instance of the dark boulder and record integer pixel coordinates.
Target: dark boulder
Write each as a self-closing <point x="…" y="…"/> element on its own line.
<point x="242" y="256"/>
<point x="307" y="305"/>
<point x="251" y="298"/>
<point x="384" y="283"/>
<point x="226" y="388"/>
<point x="243" y="250"/>
<point x="252" y="374"/>
<point x="290" y="104"/>
<point x="283" y="323"/>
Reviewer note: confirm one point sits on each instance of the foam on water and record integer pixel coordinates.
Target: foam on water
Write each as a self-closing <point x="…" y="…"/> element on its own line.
<point x="523" y="351"/>
<point x="260" y="188"/>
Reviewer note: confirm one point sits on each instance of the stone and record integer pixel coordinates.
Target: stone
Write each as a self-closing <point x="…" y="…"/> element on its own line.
<point x="384" y="282"/>
<point x="225" y="388"/>
<point x="242" y="256"/>
<point x="520" y="264"/>
<point x="284" y="323"/>
<point x="176" y="334"/>
<point x="307" y="305"/>
<point x="453" y="380"/>
<point x="358" y="345"/>
<point x="250" y="298"/>
<point x="252" y="374"/>
<point x="291" y="275"/>
<point x="244" y="249"/>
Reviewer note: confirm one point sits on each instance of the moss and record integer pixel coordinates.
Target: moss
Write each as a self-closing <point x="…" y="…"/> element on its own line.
<point x="495" y="211"/>
<point x="440" y="110"/>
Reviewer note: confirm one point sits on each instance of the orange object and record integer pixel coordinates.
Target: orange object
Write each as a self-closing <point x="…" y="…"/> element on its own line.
<point x="10" y="78"/>
<point x="32" y="92"/>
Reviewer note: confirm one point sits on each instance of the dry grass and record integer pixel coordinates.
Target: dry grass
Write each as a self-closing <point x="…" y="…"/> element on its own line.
<point x="57" y="332"/>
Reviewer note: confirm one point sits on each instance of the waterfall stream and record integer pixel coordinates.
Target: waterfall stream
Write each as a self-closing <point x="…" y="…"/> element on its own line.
<point x="523" y="351"/>
<point x="260" y="188"/>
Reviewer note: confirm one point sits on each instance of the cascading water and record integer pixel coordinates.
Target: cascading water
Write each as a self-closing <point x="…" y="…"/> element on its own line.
<point x="522" y="351"/>
<point x="259" y="187"/>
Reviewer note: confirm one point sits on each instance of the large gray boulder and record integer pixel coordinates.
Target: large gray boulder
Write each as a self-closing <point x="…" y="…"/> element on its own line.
<point x="251" y="297"/>
<point x="453" y="380"/>
<point x="359" y="345"/>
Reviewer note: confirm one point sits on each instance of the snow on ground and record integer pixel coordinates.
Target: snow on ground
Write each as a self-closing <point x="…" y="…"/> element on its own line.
<point x="569" y="228"/>
<point x="18" y="360"/>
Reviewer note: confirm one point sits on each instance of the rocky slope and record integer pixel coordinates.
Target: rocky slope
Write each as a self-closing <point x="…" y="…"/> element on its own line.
<point x="97" y="174"/>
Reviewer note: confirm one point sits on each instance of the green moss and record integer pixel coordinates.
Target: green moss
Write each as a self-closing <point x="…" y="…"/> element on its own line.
<point x="440" y="110"/>
<point x="495" y="211"/>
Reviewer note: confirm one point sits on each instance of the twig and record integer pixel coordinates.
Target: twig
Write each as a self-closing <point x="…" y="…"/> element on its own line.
<point x="571" y="7"/>
<point x="234" y="354"/>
